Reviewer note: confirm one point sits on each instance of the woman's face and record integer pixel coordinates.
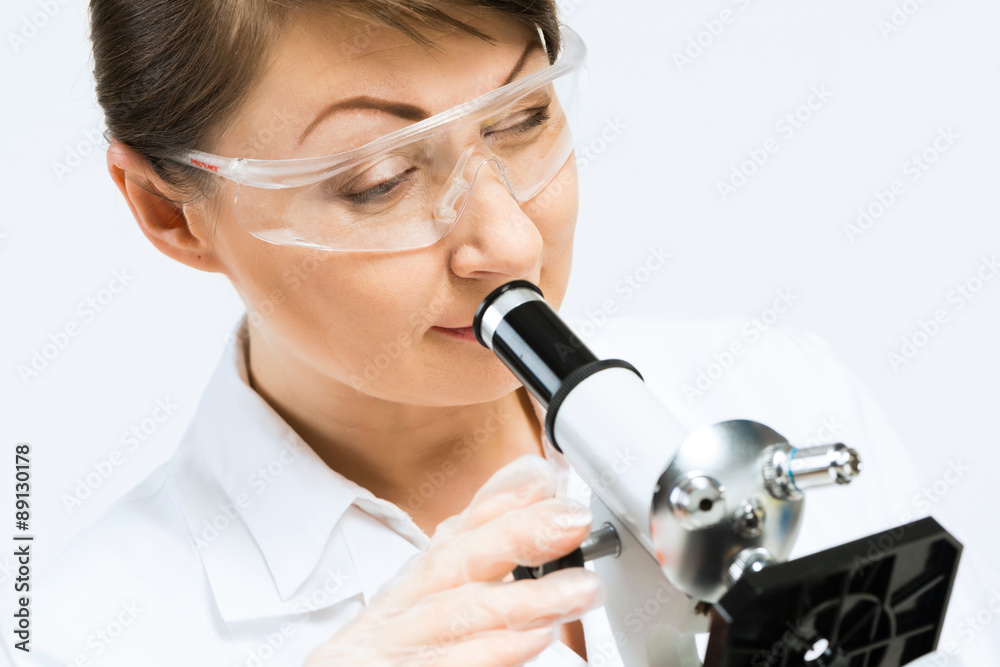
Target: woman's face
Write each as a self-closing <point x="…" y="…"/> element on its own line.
<point x="368" y="319"/>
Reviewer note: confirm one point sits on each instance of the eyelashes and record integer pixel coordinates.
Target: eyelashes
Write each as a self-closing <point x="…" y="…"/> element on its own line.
<point x="386" y="189"/>
<point x="375" y="193"/>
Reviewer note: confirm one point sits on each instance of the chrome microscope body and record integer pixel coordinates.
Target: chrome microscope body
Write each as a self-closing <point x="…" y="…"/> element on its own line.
<point x="679" y="516"/>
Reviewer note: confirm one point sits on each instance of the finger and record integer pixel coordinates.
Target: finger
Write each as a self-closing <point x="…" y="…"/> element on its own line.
<point x="518" y="484"/>
<point x="501" y="648"/>
<point x="531" y="536"/>
<point x="559" y="597"/>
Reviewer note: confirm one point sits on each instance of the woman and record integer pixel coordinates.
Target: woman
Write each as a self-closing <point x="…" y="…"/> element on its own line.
<point x="369" y="262"/>
<point x="361" y="476"/>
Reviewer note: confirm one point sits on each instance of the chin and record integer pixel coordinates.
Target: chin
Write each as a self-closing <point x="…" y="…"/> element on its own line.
<point x="465" y="384"/>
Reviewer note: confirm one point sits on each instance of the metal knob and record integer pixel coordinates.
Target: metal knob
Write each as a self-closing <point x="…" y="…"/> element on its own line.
<point x="602" y="542"/>
<point x="754" y="560"/>
<point x="789" y="470"/>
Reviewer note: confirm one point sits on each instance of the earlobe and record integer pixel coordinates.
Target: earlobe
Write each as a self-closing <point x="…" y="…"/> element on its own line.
<point x="171" y="227"/>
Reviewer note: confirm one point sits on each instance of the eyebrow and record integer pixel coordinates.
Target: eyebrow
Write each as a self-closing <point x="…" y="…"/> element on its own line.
<point x="400" y="109"/>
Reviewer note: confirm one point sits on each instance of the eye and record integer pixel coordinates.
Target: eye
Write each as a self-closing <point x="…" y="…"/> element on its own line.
<point x="376" y="182"/>
<point x="378" y="193"/>
<point x="520" y="122"/>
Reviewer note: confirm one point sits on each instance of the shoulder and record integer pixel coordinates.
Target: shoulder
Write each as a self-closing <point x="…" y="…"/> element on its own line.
<point x="144" y="522"/>
<point x="134" y="567"/>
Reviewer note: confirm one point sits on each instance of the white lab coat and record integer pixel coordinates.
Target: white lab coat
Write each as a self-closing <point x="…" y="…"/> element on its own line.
<point x="246" y="550"/>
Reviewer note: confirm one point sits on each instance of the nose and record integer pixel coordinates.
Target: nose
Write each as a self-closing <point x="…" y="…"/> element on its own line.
<point x="493" y="235"/>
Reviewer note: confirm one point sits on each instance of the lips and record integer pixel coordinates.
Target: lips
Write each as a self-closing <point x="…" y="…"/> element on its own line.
<point x="463" y="333"/>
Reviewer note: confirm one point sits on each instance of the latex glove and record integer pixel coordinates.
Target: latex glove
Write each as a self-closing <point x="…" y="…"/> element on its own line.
<point x="451" y="605"/>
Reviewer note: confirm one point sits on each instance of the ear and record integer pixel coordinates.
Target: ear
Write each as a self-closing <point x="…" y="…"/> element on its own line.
<point x="182" y="232"/>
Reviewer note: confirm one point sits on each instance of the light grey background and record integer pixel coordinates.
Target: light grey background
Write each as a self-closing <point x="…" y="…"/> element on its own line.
<point x="660" y="135"/>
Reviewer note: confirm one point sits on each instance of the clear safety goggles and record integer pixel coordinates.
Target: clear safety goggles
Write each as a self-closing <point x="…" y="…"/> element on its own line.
<point x="407" y="189"/>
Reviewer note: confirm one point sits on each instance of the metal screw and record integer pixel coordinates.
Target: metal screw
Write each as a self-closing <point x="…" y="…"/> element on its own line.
<point x="748" y="520"/>
<point x="698" y="502"/>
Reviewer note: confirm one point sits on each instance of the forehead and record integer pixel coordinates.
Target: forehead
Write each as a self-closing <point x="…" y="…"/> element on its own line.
<point x="322" y="58"/>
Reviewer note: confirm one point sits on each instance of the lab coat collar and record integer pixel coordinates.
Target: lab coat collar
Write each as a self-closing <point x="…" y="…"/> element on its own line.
<point x="243" y="477"/>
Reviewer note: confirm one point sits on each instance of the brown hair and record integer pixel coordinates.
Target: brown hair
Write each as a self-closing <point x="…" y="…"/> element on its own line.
<point x="172" y="73"/>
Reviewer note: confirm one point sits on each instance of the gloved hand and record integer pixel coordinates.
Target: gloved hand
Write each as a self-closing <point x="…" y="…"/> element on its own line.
<point x="455" y="603"/>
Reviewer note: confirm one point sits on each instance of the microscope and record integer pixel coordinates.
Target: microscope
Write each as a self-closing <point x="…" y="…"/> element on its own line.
<point x="692" y="530"/>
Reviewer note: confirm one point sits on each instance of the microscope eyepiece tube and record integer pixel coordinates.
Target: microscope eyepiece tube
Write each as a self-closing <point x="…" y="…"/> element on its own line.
<point x="523" y="330"/>
<point x="599" y="412"/>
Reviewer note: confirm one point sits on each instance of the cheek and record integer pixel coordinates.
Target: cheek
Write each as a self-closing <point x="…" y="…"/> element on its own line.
<point x="554" y="211"/>
<point x="372" y="303"/>
<point x="346" y="313"/>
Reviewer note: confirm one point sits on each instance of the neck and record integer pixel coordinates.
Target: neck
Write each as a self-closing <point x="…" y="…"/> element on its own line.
<point x="428" y="460"/>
